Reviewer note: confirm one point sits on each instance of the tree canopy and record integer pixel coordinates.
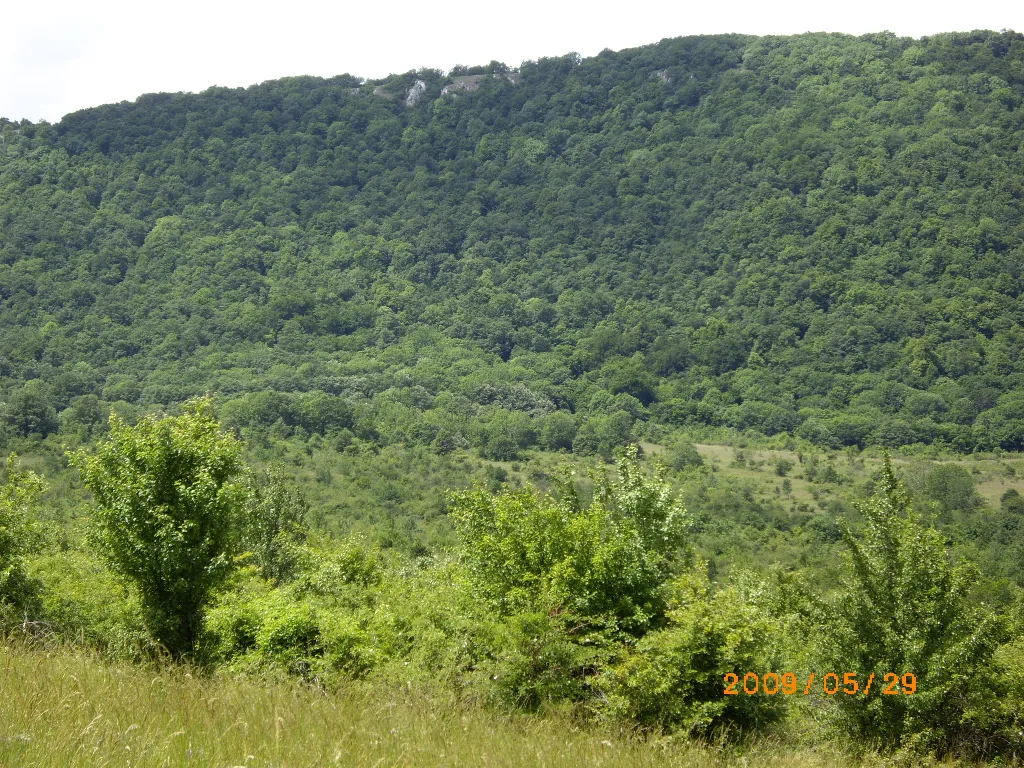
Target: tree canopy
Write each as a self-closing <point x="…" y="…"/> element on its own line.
<point x="818" y="234"/>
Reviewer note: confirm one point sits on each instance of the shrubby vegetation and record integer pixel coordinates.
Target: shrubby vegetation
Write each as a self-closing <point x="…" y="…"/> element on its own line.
<point x="587" y="598"/>
<point x="808" y="247"/>
<point x="166" y="513"/>
<point x="906" y="607"/>
<point x="18" y="493"/>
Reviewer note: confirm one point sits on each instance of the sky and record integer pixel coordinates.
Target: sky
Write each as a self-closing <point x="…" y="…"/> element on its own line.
<point x="61" y="56"/>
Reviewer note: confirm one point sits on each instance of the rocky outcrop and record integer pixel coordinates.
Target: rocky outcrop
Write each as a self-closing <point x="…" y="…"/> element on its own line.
<point x="469" y="83"/>
<point x="412" y="98"/>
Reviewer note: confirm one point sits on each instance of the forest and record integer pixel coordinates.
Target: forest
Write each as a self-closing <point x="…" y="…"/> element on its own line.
<point x="569" y="388"/>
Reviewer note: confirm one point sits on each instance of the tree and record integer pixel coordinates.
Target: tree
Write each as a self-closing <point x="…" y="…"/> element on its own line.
<point x="1012" y="502"/>
<point x="558" y="432"/>
<point x="674" y="676"/>
<point x="600" y="563"/>
<point x="273" y="522"/>
<point x="29" y="410"/>
<point x="18" y="493"/>
<point x="166" y="513"/>
<point x="683" y="455"/>
<point x="906" y="609"/>
<point x="952" y="487"/>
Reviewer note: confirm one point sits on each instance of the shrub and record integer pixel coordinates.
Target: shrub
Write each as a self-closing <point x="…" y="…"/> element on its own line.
<point x="906" y="609"/>
<point x="558" y="432"/>
<point x="166" y="513"/>
<point x="952" y="488"/>
<point x="82" y="601"/>
<point x="683" y="455"/>
<point x="674" y="676"/>
<point x="1012" y="502"/>
<point x="273" y="524"/>
<point x="18" y="493"/>
<point x="603" y="562"/>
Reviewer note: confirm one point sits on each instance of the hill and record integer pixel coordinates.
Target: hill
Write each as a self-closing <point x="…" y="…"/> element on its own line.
<point x="818" y="235"/>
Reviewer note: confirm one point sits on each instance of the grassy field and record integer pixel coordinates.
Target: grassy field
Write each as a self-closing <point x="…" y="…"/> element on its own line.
<point x="63" y="708"/>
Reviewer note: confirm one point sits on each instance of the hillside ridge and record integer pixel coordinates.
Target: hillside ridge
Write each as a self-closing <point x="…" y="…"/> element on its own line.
<point x="817" y="235"/>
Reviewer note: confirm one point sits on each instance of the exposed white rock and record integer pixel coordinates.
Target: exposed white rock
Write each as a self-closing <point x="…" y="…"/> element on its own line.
<point x="415" y="93"/>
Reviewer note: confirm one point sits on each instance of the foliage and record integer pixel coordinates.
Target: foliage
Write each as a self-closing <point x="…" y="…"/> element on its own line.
<point x="906" y="609"/>
<point x="674" y="676"/>
<point x="273" y="522"/>
<point x="603" y="564"/>
<point x="792" y="244"/>
<point x="84" y="602"/>
<point x="683" y="455"/>
<point x="18" y="494"/>
<point x="815" y="234"/>
<point x="952" y="487"/>
<point x="166" y="514"/>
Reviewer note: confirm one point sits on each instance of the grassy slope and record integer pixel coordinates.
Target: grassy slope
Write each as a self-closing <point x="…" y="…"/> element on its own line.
<point x="65" y="708"/>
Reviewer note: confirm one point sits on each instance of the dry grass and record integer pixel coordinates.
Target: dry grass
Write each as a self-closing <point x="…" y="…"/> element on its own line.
<point x="64" y="708"/>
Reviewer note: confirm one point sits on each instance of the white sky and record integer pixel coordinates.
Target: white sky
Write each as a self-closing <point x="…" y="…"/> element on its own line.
<point x="59" y="56"/>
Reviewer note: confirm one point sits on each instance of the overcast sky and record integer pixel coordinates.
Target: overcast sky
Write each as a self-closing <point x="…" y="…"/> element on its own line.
<point x="59" y="56"/>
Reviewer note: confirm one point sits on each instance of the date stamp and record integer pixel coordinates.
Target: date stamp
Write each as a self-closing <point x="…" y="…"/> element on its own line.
<point x="787" y="683"/>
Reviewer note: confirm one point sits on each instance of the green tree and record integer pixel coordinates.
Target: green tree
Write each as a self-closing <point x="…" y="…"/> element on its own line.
<point x="166" y="513"/>
<point x="19" y="491"/>
<point x="674" y="676"/>
<point x="905" y="609"/>
<point x="558" y="432"/>
<point x="273" y="522"/>
<point x="683" y="455"/>
<point x="604" y="562"/>
<point x="29" y="411"/>
<point x="1012" y="502"/>
<point x="952" y="487"/>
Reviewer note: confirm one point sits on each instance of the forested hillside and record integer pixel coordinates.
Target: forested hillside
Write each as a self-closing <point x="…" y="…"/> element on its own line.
<point x="320" y="379"/>
<point x="818" y="234"/>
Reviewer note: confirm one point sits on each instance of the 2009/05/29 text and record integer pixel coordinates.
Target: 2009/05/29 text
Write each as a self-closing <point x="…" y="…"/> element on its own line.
<point x="831" y="684"/>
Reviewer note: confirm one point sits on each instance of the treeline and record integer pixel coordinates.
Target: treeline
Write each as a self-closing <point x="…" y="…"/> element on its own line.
<point x="588" y="599"/>
<point x="817" y="235"/>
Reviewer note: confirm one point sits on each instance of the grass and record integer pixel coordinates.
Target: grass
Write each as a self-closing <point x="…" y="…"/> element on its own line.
<point x="63" y="707"/>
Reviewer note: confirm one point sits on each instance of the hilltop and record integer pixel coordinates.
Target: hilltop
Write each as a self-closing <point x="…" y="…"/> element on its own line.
<point x="816" y="235"/>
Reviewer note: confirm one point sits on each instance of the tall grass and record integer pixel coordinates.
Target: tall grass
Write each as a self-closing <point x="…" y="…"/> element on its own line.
<point x="62" y="707"/>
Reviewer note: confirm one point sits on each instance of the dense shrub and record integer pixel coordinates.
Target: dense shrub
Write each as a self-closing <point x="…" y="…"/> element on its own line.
<point x="673" y="678"/>
<point x="166" y="514"/>
<point x="907" y="609"/>
<point x="18" y="494"/>
<point x="603" y="564"/>
<point x="83" y="601"/>
<point x="273" y="522"/>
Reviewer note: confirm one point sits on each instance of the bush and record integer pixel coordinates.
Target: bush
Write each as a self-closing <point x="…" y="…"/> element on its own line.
<point x="674" y="676"/>
<point x="906" y="609"/>
<point x="1012" y="502"/>
<point x="539" y="659"/>
<point x="257" y="627"/>
<point x="558" y="432"/>
<point x="683" y="455"/>
<point x="82" y="601"/>
<point x="273" y="523"/>
<point x="952" y="488"/>
<point x="18" y="494"/>
<point x="603" y="563"/>
<point x="166" y="514"/>
<point x="603" y="434"/>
